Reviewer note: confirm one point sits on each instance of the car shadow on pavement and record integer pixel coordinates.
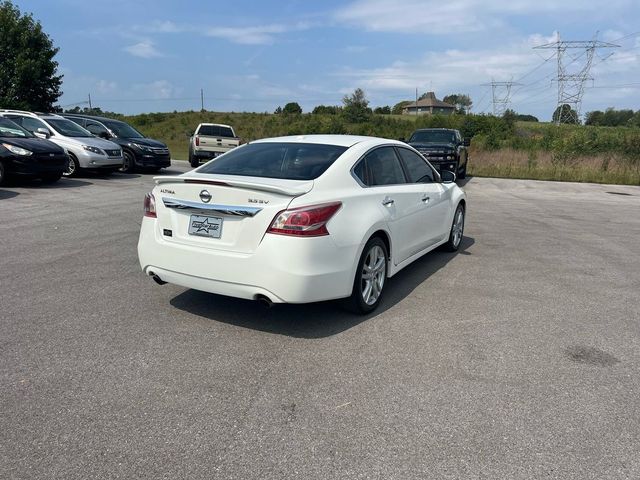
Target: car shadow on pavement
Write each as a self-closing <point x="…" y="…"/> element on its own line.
<point x="5" y="194"/>
<point x="36" y="183"/>
<point x="463" y="181"/>
<point x="313" y="320"/>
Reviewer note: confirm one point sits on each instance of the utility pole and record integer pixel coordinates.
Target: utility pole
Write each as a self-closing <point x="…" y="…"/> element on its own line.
<point x="571" y="81"/>
<point x="90" y="108"/>
<point x="202" y="100"/>
<point x="501" y="92"/>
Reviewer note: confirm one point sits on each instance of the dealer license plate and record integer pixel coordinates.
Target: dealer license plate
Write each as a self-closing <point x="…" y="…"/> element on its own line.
<point x="203" y="226"/>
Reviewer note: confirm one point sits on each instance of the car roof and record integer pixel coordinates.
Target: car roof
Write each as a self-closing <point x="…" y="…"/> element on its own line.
<point x="92" y="117"/>
<point x="215" y="125"/>
<point x="338" y="140"/>
<point x="443" y="129"/>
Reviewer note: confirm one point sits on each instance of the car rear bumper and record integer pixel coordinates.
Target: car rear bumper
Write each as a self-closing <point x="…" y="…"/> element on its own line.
<point x="284" y="269"/>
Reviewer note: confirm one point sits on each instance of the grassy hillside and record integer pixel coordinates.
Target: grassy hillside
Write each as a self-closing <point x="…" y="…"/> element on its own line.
<point x="499" y="147"/>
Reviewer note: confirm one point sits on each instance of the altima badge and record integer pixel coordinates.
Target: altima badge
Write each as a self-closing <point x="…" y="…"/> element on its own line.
<point x="205" y="196"/>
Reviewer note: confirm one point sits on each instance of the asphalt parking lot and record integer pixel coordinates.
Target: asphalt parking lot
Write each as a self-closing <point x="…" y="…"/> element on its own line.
<point x="516" y="358"/>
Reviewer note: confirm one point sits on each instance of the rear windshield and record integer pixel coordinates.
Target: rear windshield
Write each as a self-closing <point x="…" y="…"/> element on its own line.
<point x="289" y="161"/>
<point x="215" y="131"/>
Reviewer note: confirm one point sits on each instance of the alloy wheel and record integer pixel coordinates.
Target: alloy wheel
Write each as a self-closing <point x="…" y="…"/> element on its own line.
<point x="458" y="228"/>
<point x="374" y="273"/>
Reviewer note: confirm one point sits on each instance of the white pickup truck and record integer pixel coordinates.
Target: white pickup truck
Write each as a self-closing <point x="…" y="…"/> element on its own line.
<point x="211" y="140"/>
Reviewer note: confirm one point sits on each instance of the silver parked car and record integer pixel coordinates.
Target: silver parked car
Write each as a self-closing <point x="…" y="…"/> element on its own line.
<point x="84" y="149"/>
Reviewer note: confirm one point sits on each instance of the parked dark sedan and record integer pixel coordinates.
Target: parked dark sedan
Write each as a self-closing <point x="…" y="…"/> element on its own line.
<point x="139" y="151"/>
<point x="21" y="153"/>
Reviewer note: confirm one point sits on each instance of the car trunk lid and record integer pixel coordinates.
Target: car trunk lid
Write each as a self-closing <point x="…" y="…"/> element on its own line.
<point x="221" y="212"/>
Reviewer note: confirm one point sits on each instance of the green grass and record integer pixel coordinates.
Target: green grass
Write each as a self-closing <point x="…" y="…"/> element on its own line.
<point x="499" y="148"/>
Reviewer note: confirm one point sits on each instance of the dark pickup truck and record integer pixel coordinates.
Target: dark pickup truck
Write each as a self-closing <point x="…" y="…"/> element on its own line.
<point x="444" y="148"/>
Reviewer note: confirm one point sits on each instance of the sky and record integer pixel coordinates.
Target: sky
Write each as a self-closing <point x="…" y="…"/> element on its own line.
<point x="156" y="55"/>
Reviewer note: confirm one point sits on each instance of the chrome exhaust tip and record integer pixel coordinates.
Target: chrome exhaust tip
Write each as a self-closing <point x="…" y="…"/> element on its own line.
<point x="266" y="301"/>
<point x="157" y="279"/>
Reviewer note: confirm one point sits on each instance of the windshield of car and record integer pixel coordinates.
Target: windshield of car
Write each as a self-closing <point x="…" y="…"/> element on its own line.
<point x="9" y="129"/>
<point x="290" y="161"/>
<point x="68" y="128"/>
<point x="433" y="136"/>
<point x="123" y="130"/>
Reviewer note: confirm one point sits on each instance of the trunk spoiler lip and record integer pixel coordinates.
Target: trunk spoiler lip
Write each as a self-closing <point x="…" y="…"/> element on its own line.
<point x="302" y="187"/>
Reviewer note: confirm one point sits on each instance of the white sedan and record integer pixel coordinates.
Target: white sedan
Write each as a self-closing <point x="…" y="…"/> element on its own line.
<point x="300" y="219"/>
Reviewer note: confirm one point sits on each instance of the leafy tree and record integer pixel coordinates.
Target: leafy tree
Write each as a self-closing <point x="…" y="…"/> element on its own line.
<point x="327" y="110"/>
<point x="356" y="107"/>
<point x="278" y="110"/>
<point x="397" y="108"/>
<point x="565" y="114"/>
<point x="461" y="101"/>
<point x="526" y="118"/>
<point x="292" y="108"/>
<point x="386" y="110"/>
<point x="28" y="77"/>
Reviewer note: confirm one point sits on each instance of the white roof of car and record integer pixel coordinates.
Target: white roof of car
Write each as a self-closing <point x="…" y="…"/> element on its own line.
<point x="339" y="140"/>
<point x="216" y="125"/>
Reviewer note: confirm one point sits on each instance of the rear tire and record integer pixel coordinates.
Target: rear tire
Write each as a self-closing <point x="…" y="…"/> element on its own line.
<point x="49" y="178"/>
<point x="370" y="278"/>
<point x="73" y="167"/>
<point x="457" y="230"/>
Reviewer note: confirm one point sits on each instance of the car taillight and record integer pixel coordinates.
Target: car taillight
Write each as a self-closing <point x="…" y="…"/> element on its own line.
<point x="308" y="221"/>
<point x="197" y="141"/>
<point x="150" y="205"/>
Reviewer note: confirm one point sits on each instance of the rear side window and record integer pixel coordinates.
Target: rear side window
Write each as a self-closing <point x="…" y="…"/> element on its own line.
<point x="215" y="131"/>
<point x="380" y="167"/>
<point x="290" y="161"/>
<point x="417" y="169"/>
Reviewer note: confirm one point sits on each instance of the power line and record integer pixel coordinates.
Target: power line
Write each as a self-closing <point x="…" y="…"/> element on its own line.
<point x="571" y="84"/>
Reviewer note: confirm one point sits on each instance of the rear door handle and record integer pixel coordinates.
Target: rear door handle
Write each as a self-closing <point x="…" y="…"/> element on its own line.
<point x="425" y="199"/>
<point x="387" y="201"/>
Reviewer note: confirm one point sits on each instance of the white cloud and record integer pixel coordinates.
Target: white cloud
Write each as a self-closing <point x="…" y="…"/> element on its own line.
<point x="159" y="90"/>
<point x="455" y="17"/>
<point x="143" y="49"/>
<point x="106" y="86"/>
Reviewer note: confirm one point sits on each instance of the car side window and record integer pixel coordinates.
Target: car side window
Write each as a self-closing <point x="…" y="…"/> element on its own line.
<point x="31" y="124"/>
<point x="96" y="128"/>
<point x="383" y="167"/>
<point x="416" y="167"/>
<point x="458" y="137"/>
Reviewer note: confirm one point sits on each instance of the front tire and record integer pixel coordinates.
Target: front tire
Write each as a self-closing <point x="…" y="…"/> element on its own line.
<point x="3" y="174"/>
<point x="463" y="172"/>
<point x="73" y="167"/>
<point x="128" y="163"/>
<point x="370" y="278"/>
<point x="457" y="230"/>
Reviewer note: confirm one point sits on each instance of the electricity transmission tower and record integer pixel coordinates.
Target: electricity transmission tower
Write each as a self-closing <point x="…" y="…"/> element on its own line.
<point x="573" y="73"/>
<point x="501" y="92"/>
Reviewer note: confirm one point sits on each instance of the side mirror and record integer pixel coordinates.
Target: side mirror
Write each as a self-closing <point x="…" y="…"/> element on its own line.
<point x="447" y="176"/>
<point x="42" y="133"/>
<point x="104" y="135"/>
<point x="466" y="142"/>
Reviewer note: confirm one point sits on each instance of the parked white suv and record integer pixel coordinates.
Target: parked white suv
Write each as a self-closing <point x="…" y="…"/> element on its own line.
<point x="85" y="150"/>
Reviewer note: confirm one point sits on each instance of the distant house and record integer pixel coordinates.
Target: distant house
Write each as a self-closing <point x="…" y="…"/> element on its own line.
<point x="429" y="105"/>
